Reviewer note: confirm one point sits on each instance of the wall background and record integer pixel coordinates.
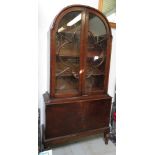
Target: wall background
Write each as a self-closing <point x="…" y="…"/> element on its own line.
<point x="47" y="10"/>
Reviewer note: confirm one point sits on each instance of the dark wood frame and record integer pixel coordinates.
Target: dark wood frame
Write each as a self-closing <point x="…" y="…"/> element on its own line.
<point x="95" y="105"/>
<point x="60" y="140"/>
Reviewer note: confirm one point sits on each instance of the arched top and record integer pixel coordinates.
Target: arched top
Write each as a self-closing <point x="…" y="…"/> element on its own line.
<point x="80" y="47"/>
<point x="84" y="8"/>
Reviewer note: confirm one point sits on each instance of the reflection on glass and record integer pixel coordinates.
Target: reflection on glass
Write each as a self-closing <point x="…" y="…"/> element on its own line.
<point x="68" y="53"/>
<point x="95" y="60"/>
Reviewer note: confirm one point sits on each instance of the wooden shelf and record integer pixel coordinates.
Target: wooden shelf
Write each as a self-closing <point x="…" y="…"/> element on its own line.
<point x="66" y="85"/>
<point x="70" y="34"/>
<point x="75" y="54"/>
<point x="69" y="53"/>
<point x="64" y="71"/>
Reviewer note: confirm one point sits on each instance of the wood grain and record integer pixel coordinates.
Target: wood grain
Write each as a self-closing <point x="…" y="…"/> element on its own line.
<point x="74" y="113"/>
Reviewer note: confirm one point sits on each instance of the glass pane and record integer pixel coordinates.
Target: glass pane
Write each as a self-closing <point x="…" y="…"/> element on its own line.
<point x="68" y="53"/>
<point x="96" y="50"/>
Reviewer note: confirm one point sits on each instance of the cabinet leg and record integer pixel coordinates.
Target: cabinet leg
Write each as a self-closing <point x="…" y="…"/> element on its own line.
<point x="106" y="138"/>
<point x="42" y="140"/>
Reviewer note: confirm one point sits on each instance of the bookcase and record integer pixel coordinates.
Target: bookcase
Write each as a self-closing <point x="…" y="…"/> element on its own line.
<point x="77" y="104"/>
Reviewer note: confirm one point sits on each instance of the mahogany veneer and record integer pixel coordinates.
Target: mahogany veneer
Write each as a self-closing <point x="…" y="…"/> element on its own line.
<point x="78" y="104"/>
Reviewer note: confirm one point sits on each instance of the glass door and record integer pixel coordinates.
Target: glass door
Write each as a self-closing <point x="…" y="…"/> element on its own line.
<point x="95" y="54"/>
<point x="67" y="77"/>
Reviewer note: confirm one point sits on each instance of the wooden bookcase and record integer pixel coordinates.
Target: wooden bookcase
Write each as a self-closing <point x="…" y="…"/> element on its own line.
<point x="78" y="104"/>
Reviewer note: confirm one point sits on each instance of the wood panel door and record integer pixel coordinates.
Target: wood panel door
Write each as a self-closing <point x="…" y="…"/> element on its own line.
<point x="97" y="114"/>
<point x="64" y="119"/>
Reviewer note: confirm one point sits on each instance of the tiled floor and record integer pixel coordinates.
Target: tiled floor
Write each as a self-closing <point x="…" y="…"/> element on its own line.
<point x="90" y="146"/>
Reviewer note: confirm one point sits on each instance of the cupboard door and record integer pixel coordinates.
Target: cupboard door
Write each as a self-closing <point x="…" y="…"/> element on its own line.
<point x="68" y="38"/>
<point x="95" y="54"/>
<point x="64" y="119"/>
<point x="97" y="114"/>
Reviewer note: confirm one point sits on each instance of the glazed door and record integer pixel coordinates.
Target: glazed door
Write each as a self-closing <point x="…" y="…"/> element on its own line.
<point x="95" y="57"/>
<point x="68" y="61"/>
<point x="79" y="53"/>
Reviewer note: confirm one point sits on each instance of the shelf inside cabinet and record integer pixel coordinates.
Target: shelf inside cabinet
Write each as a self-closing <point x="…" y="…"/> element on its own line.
<point x="75" y="54"/>
<point x="63" y="71"/>
<point x="70" y="84"/>
<point x="68" y="53"/>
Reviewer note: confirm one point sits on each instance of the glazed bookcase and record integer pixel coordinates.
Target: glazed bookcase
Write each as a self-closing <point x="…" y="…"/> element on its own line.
<point x="77" y="104"/>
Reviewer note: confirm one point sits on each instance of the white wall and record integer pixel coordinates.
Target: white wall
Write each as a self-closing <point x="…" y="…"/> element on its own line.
<point x="112" y="75"/>
<point x="47" y="10"/>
